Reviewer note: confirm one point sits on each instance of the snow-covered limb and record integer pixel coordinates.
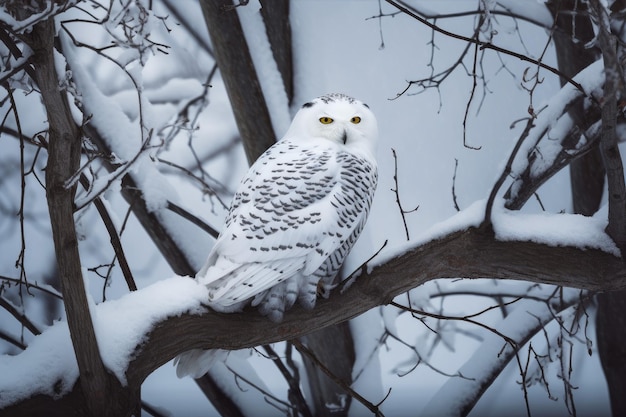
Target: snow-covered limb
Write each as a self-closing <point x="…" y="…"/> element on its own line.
<point x="138" y="311"/>
<point x="240" y="79"/>
<point x="554" y="140"/>
<point x="118" y="135"/>
<point x="508" y="225"/>
<point x="164" y="329"/>
<point x="15" y="16"/>
<point x="458" y="395"/>
<point x="265" y="66"/>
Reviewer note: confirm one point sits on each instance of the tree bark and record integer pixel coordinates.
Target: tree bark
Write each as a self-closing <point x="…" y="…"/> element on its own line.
<point x="277" y="25"/>
<point x="334" y="347"/>
<point x="610" y="325"/>
<point x="103" y="394"/>
<point x="587" y="176"/>
<point x="470" y="253"/>
<point x="574" y="31"/>
<point x="240" y="77"/>
<point x="611" y="315"/>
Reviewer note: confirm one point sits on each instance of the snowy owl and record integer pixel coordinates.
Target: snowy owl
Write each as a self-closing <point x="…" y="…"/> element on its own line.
<point x="295" y="216"/>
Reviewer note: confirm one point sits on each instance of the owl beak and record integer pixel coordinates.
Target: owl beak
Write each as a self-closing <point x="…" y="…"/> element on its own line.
<point x="344" y="137"/>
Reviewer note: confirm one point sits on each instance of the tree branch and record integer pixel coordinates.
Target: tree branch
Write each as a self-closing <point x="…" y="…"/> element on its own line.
<point x="469" y="253"/>
<point x="21" y="317"/>
<point x="484" y="45"/>
<point x="496" y="351"/>
<point x="240" y="78"/>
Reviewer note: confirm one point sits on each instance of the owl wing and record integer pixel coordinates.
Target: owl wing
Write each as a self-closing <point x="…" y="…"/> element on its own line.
<point x="285" y="221"/>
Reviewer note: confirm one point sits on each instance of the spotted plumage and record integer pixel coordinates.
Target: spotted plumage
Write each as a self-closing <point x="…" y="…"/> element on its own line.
<point x="296" y="214"/>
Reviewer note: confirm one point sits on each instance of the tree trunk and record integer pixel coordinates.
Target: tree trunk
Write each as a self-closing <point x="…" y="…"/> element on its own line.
<point x="334" y="347"/>
<point x="587" y="181"/>
<point x="240" y="78"/>
<point x="610" y="325"/>
<point x="103" y="393"/>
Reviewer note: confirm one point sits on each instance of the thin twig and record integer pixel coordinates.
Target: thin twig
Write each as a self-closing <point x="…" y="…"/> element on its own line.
<point x="469" y="101"/>
<point x="116" y="243"/>
<point x="192" y="218"/>
<point x="484" y="45"/>
<point x="33" y="286"/>
<point x="396" y="191"/>
<point x="456" y="205"/>
<point x="258" y="388"/>
<point x="486" y="224"/>
<point x="20" y="262"/>
<point x="467" y="319"/>
<point x="10" y="339"/>
<point x="347" y="282"/>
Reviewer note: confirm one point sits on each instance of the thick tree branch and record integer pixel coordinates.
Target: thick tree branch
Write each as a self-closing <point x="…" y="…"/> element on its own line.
<point x="277" y="25"/>
<point x="470" y="254"/>
<point x="240" y="78"/>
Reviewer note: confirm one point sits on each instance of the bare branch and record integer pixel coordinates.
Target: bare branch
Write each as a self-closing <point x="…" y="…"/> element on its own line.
<point x="497" y="354"/>
<point x="192" y="218"/>
<point x="19" y="263"/>
<point x="505" y="173"/>
<point x="19" y="316"/>
<point x="295" y="394"/>
<point x="33" y="286"/>
<point x="396" y="191"/>
<point x="116" y="243"/>
<point x="484" y="45"/>
<point x="8" y="338"/>
<point x="454" y="199"/>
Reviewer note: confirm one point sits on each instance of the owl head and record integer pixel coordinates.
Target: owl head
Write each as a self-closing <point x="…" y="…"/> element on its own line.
<point x="338" y="118"/>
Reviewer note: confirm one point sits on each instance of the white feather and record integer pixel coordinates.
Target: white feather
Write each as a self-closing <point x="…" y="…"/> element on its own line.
<point x="295" y="215"/>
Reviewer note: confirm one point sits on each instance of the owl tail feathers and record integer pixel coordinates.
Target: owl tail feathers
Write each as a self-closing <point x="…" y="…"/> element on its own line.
<point x="197" y="362"/>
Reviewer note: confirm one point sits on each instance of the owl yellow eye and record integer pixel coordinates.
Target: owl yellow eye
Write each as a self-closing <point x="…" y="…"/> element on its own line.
<point x="326" y="120"/>
<point x="356" y="120"/>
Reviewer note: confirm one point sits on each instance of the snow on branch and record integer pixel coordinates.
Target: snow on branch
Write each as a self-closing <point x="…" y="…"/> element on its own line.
<point x="138" y="311"/>
<point x="495" y="352"/>
<point x="129" y="142"/>
<point x="467" y="253"/>
<point x="554" y="139"/>
<point x="21" y="18"/>
<point x="167" y="318"/>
